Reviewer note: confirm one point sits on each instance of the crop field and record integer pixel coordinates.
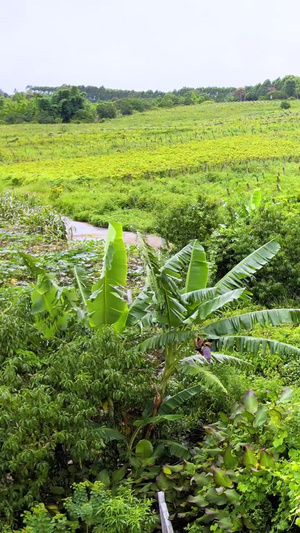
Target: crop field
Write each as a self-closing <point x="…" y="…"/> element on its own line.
<point x="133" y="169"/>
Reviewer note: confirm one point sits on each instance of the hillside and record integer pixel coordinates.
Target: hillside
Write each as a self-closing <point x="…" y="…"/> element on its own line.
<point x="133" y="169"/>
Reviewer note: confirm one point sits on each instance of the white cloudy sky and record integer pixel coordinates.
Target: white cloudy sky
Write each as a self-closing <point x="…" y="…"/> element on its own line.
<point x="138" y="44"/>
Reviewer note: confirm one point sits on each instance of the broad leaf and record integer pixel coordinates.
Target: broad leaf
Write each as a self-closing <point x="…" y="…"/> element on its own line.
<point x="286" y="395"/>
<point x="250" y="402"/>
<point x="221" y="478"/>
<point x="177" y="262"/>
<point x="139" y="308"/>
<point x="119" y="474"/>
<point x="210" y="306"/>
<point x="106" y="305"/>
<point x="106" y="433"/>
<point x="266" y="459"/>
<point x="103" y="476"/>
<point x="255" y="199"/>
<point x="229" y="460"/>
<point x="197" y="274"/>
<point x="144" y="449"/>
<point x="248" y="266"/>
<point x="194" y="369"/>
<point x="254" y="345"/>
<point x="165" y="339"/>
<point x="82" y="283"/>
<point x="179" y="450"/>
<point x="234" y="324"/>
<point x="197" y="359"/>
<point x="232" y="496"/>
<point x="197" y="297"/>
<point x="261" y="416"/>
<point x="170" y="404"/>
<point x="215" y="497"/>
<point x="30" y="262"/>
<point x="156" y="419"/>
<point x="174" y="311"/>
<point x="249" y="458"/>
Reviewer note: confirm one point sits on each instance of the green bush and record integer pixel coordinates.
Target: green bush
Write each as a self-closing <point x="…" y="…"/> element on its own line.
<point x="189" y="221"/>
<point x="285" y="105"/>
<point x="59" y="405"/>
<point x="280" y="280"/>
<point x="106" y="110"/>
<point x="96" y="510"/>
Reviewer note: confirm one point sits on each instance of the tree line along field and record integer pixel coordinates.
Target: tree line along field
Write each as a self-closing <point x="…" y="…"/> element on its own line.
<point x="134" y="168"/>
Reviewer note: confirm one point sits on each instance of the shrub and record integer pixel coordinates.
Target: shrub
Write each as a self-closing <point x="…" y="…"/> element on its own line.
<point x="285" y="105"/>
<point x="56" y="400"/>
<point x="106" y="110"/>
<point x="94" y="507"/>
<point x="189" y="221"/>
<point x="279" y="280"/>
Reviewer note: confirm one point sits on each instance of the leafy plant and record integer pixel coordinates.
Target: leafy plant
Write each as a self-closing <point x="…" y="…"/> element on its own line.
<point x="96" y="509"/>
<point x="236" y="470"/>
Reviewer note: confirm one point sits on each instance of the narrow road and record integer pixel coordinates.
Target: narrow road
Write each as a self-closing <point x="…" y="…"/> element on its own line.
<point x="80" y="231"/>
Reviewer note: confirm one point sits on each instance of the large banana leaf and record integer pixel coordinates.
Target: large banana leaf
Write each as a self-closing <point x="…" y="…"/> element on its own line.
<point x="248" y="266"/>
<point x="197" y="274"/>
<point x="45" y="296"/>
<point x="180" y="260"/>
<point x="176" y="449"/>
<point x="82" y="283"/>
<point x="210" y="306"/>
<point x="170" y="404"/>
<point x="31" y="263"/>
<point x="234" y="324"/>
<point x="197" y="360"/>
<point x="139" y="309"/>
<point x="106" y="304"/>
<point x="151" y="263"/>
<point x="194" y="298"/>
<point x="174" y="312"/>
<point x="193" y="256"/>
<point x="254" y="345"/>
<point x="165" y="339"/>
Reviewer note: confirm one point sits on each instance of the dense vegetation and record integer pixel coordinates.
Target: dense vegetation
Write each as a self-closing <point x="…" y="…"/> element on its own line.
<point x="182" y="173"/>
<point x="103" y="399"/>
<point x="48" y="105"/>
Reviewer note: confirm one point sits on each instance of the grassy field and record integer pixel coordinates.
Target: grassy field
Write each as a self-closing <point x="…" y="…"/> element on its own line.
<point x="132" y="169"/>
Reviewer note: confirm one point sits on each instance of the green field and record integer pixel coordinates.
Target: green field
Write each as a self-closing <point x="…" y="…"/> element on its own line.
<point x="135" y="168"/>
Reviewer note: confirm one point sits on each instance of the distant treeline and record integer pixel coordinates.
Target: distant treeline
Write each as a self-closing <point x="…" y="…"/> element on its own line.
<point x="98" y="94"/>
<point x="88" y="103"/>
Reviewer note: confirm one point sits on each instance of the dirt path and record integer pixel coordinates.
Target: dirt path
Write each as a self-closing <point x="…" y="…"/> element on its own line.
<point x="80" y="231"/>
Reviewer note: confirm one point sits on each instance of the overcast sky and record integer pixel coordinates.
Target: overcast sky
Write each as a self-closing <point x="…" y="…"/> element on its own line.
<point x="138" y="44"/>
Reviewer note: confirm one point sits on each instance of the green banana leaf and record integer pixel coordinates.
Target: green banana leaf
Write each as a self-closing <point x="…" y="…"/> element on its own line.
<point x="234" y="324"/>
<point x="210" y="306"/>
<point x="248" y="266"/>
<point x="254" y="345"/>
<point x="106" y="304"/>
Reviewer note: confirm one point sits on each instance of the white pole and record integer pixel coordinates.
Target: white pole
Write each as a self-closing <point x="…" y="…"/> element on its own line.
<point x="164" y="514"/>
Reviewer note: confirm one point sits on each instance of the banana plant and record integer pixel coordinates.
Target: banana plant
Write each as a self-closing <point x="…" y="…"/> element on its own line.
<point x="177" y="302"/>
<point x="101" y="304"/>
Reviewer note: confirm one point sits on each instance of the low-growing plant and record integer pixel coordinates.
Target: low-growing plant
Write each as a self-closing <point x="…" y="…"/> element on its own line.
<point x="239" y="474"/>
<point x="93" y="509"/>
